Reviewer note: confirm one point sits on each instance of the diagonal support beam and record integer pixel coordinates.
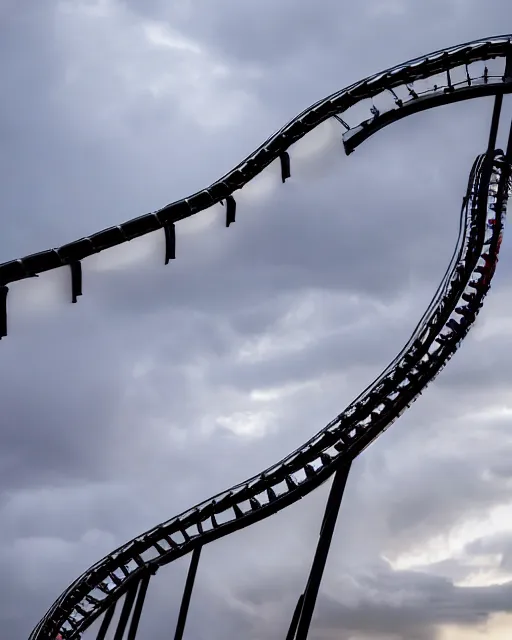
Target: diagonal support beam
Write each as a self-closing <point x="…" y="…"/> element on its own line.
<point x="303" y="619"/>
<point x="102" y="633"/>
<point x="187" y="593"/>
<point x="129" y="599"/>
<point x="139" y="604"/>
<point x="495" y="122"/>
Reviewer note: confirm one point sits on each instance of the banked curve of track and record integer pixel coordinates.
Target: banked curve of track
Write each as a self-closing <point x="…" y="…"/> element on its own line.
<point x="438" y="335"/>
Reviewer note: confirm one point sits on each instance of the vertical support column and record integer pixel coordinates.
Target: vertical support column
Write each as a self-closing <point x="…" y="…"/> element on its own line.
<point x="506" y="173"/>
<point x="137" y="611"/>
<point x="495" y="121"/>
<point x="322" y="550"/>
<point x="187" y="593"/>
<point x="487" y="167"/>
<point x="107" y="619"/>
<point x="508" y="152"/>
<point x="4" y="290"/>
<point x="129" y="599"/>
<point x="295" y="619"/>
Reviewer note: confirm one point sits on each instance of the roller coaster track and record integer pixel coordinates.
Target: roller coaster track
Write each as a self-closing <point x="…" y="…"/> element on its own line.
<point x="125" y="573"/>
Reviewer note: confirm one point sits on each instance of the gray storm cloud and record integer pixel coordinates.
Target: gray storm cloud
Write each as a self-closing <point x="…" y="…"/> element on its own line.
<point x="166" y="384"/>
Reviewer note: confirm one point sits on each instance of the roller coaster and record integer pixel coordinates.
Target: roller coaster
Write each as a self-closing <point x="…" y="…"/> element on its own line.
<point x="443" y="77"/>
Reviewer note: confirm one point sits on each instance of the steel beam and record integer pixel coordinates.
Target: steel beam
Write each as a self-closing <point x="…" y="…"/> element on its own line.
<point x="322" y="551"/>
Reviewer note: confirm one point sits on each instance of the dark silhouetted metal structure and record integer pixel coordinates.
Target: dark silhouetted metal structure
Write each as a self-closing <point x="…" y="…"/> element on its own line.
<point x="452" y="75"/>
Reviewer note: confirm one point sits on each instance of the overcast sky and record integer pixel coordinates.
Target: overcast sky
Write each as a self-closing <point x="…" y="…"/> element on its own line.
<point x="164" y="385"/>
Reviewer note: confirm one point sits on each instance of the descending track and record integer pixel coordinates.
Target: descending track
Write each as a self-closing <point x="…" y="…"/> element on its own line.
<point x="437" y="336"/>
